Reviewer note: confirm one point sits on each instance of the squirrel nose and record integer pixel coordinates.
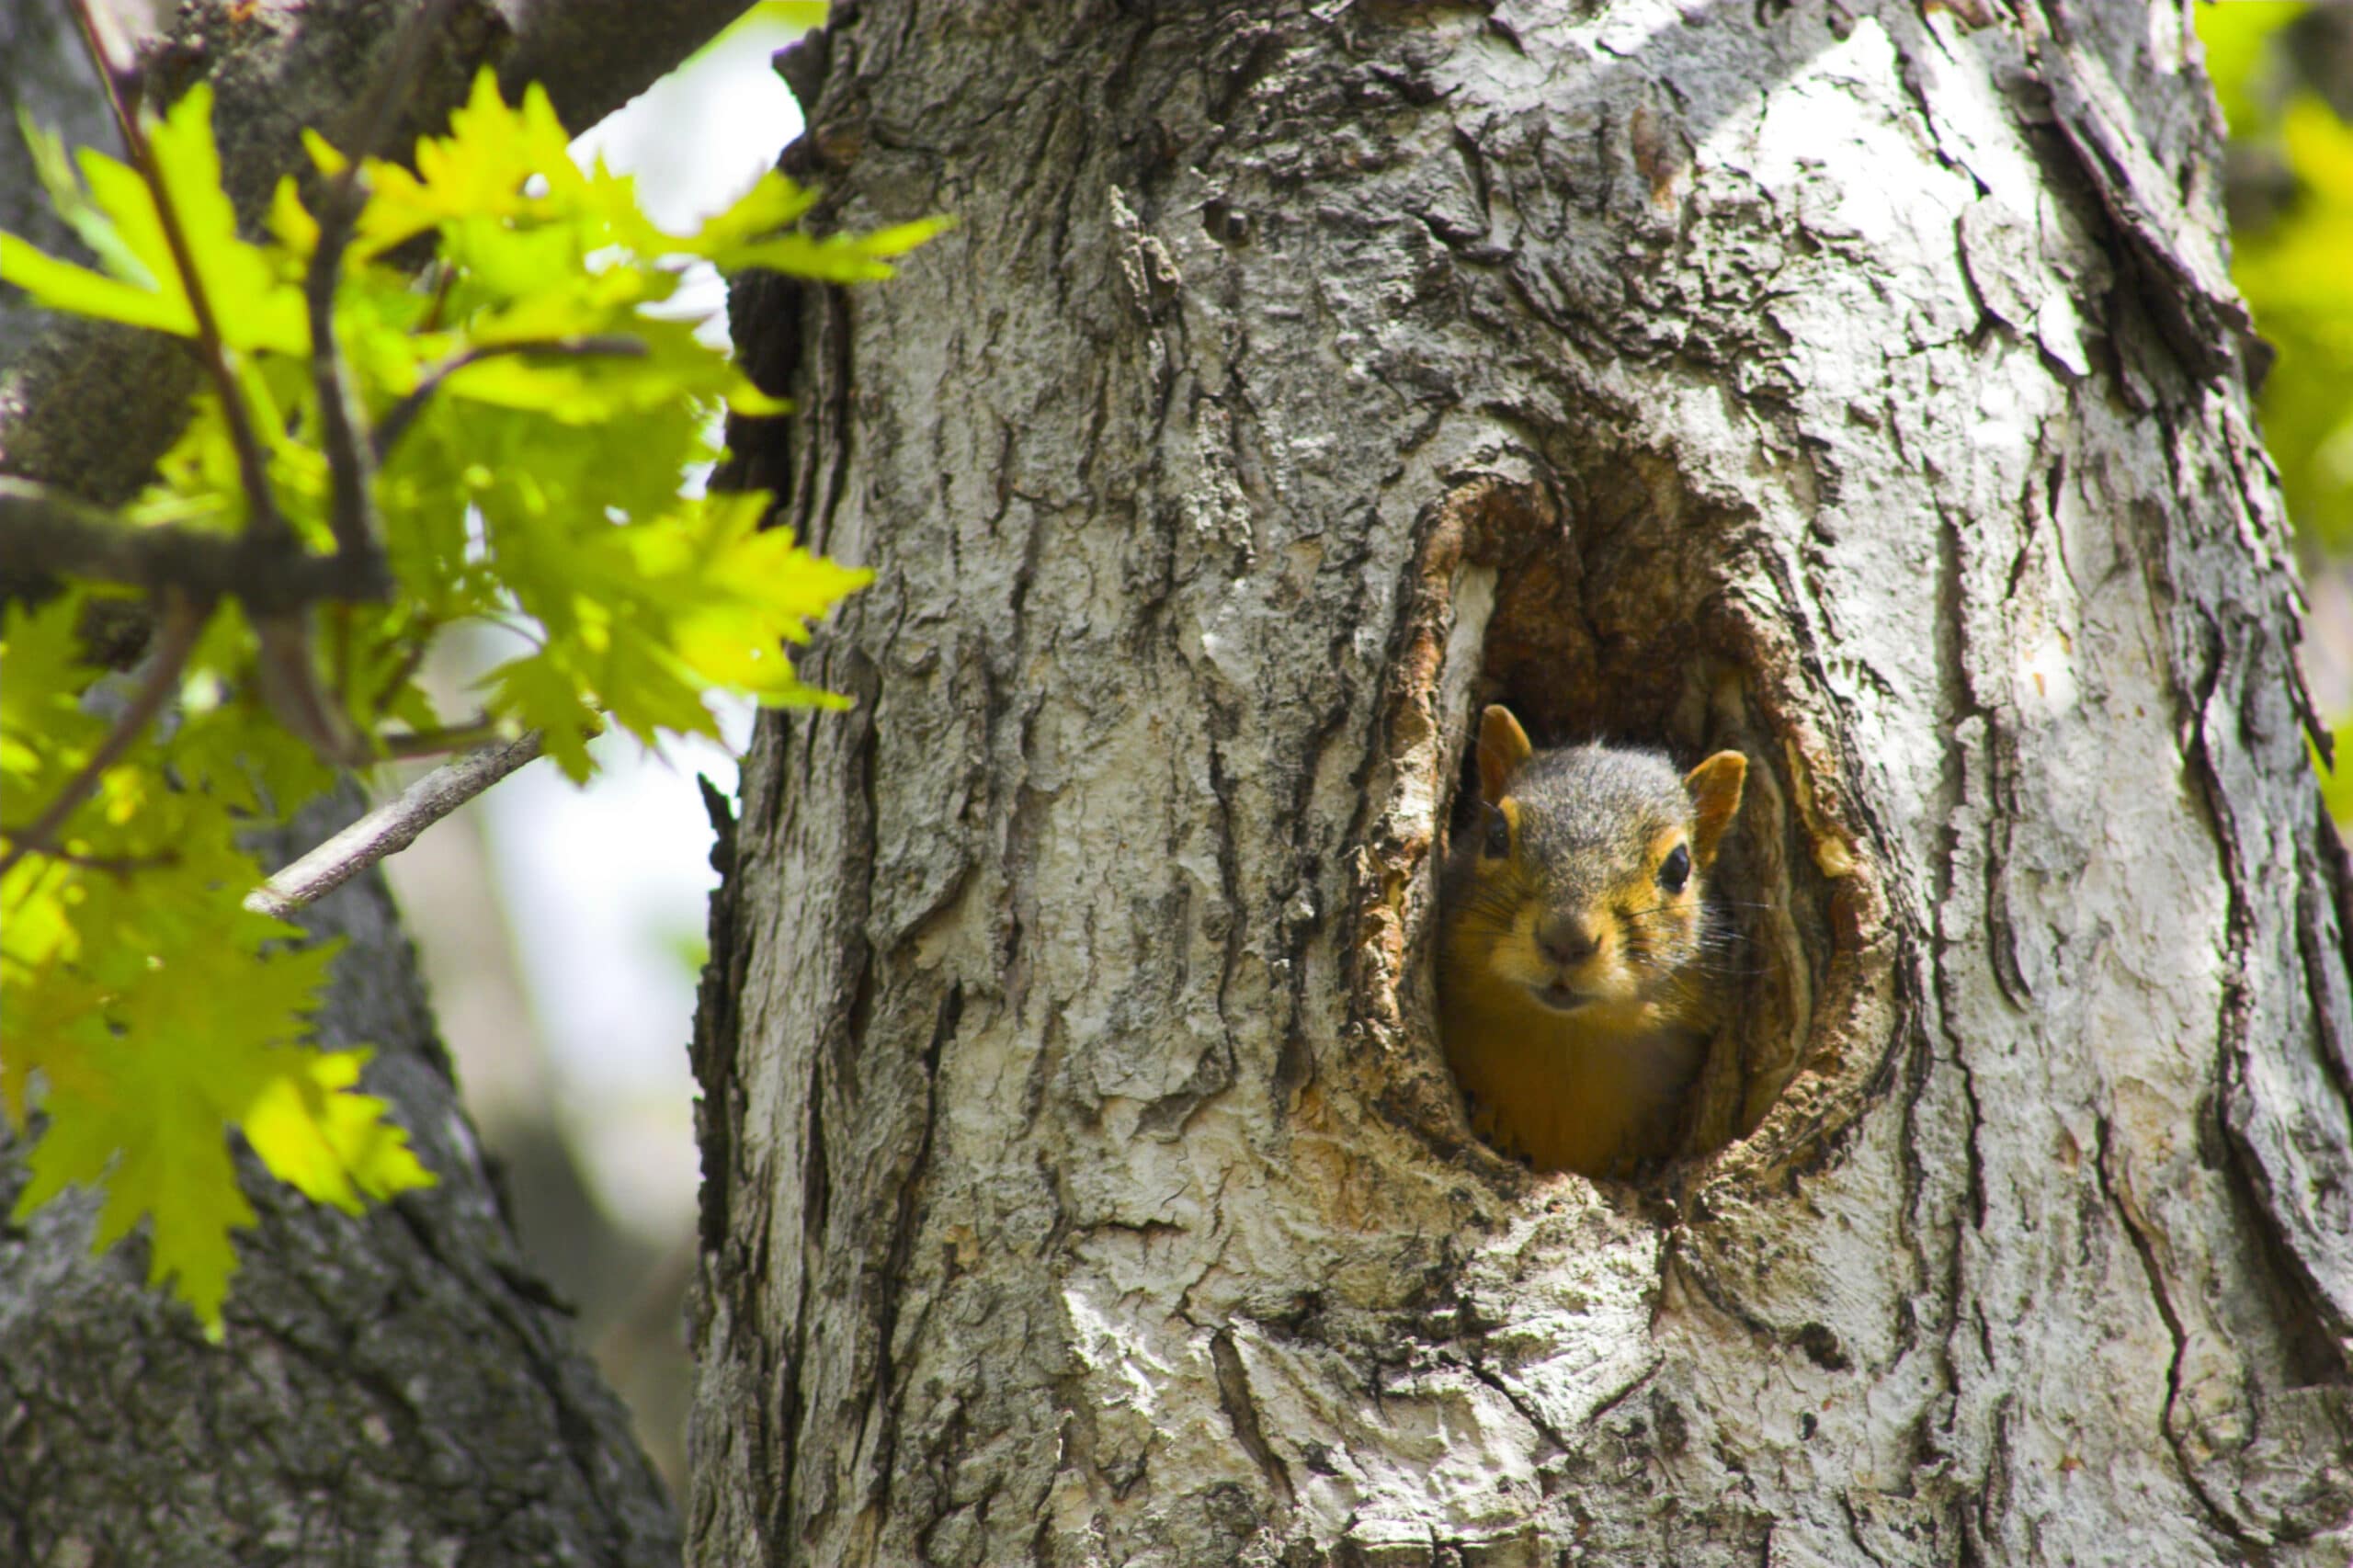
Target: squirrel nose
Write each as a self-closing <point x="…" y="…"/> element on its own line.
<point x="1568" y="938"/>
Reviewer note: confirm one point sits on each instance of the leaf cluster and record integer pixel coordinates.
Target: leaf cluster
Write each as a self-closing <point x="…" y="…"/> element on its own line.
<point x="501" y="439"/>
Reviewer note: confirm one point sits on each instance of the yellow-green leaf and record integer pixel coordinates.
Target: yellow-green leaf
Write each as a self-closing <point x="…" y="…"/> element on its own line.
<point x="331" y="1145"/>
<point x="252" y="306"/>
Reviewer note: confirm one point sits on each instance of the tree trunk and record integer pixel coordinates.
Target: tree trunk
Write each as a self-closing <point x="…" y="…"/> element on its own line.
<point x="1858" y="385"/>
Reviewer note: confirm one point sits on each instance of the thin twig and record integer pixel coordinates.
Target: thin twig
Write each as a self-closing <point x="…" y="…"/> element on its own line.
<point x="286" y="673"/>
<point x="253" y="466"/>
<point x="351" y="456"/>
<point x="445" y="279"/>
<point x="390" y="827"/>
<point x="397" y="419"/>
<point x="102" y="42"/>
<point x="182" y="623"/>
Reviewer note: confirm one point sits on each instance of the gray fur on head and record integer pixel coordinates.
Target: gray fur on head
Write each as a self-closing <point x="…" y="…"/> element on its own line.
<point x="1575" y="801"/>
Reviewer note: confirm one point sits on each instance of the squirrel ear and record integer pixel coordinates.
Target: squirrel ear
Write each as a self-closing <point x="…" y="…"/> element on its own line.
<point x="1714" y="788"/>
<point x="1503" y="747"/>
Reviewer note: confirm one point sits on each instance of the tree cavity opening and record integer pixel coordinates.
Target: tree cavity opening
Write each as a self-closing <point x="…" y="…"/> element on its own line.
<point x="1616" y="609"/>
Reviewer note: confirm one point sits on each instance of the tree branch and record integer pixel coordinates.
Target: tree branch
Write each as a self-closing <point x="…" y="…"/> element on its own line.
<point x="593" y="54"/>
<point x="351" y="456"/>
<point x="45" y="531"/>
<point x="390" y="828"/>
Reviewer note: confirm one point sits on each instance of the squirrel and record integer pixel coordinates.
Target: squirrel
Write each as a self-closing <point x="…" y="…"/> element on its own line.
<point x="1576" y="995"/>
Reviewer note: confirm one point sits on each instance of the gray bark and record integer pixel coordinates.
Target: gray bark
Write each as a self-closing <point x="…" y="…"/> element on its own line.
<point x="1856" y="384"/>
<point x="399" y="1390"/>
<point x="394" y="1390"/>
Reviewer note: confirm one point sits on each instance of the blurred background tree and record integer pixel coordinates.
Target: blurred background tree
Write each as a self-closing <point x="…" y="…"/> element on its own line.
<point x="2283" y="70"/>
<point x="561" y="930"/>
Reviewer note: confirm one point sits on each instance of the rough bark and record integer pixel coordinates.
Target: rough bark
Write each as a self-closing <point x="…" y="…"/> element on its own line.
<point x="395" y="1390"/>
<point x="1858" y="384"/>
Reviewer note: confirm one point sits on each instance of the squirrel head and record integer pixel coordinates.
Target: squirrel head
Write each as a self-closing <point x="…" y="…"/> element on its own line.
<point x="1585" y="870"/>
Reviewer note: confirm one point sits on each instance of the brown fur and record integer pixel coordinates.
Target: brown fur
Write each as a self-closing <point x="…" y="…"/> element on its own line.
<point x="1575" y="998"/>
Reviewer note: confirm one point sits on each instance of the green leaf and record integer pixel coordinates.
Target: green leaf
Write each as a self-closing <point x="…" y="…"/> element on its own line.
<point x="331" y="1144"/>
<point x="544" y="695"/>
<point x="62" y="286"/>
<point x="252" y="306"/>
<point x="45" y="733"/>
<point x="185" y="1032"/>
<point x="483" y="170"/>
<point x="54" y="169"/>
<point x="836" y="259"/>
<point x="756" y="586"/>
<point x="799" y="14"/>
<point x="175" y="1169"/>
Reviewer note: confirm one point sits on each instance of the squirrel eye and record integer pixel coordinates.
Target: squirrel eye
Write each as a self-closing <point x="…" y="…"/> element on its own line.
<point x="1676" y="870"/>
<point x="1498" y="840"/>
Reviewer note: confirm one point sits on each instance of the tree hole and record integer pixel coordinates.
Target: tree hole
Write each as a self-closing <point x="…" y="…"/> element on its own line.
<point x="1629" y="615"/>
